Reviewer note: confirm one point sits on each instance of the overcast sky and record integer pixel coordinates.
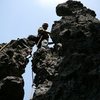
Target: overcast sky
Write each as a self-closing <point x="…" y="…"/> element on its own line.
<point x="20" y="18"/>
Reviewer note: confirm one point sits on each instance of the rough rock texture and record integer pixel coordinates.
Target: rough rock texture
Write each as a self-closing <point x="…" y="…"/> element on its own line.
<point x="13" y="60"/>
<point x="73" y="71"/>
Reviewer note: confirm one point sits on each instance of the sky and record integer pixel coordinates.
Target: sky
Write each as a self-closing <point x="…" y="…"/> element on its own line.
<point x="21" y="18"/>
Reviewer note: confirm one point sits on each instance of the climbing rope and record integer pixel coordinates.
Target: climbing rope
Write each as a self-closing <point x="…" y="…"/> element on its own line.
<point x="4" y="47"/>
<point x="39" y="40"/>
<point x="32" y="91"/>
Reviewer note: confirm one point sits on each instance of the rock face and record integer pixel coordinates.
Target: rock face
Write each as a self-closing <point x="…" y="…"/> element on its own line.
<point x="13" y="60"/>
<point x="68" y="71"/>
<point x="71" y="71"/>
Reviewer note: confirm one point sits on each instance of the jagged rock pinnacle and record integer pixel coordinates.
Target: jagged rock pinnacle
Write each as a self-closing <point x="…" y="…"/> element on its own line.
<point x="73" y="72"/>
<point x="13" y="60"/>
<point x="68" y="71"/>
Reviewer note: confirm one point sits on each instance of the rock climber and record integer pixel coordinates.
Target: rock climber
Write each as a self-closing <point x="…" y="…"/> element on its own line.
<point x="42" y="34"/>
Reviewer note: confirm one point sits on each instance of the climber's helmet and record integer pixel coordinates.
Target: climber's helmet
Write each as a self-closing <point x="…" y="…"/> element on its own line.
<point x="45" y="26"/>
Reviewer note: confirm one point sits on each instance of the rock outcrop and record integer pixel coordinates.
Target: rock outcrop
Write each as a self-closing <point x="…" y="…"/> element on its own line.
<point x="71" y="71"/>
<point x="68" y="71"/>
<point x="13" y="60"/>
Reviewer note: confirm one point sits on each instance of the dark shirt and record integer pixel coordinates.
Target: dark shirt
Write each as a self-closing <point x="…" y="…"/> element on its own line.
<point x="42" y="32"/>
